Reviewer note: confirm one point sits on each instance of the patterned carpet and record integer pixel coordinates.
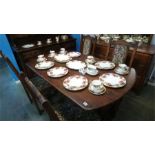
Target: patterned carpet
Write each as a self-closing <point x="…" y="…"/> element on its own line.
<point x="15" y="106"/>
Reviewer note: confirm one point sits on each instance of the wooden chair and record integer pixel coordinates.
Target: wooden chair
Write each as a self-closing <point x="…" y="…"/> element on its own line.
<point x="120" y="52"/>
<point x="87" y="45"/>
<point x="33" y="93"/>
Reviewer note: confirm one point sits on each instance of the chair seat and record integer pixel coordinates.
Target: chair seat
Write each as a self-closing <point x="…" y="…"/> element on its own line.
<point x="68" y="110"/>
<point x="40" y="83"/>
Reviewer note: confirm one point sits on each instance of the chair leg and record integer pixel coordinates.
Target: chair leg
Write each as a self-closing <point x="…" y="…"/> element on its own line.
<point x="52" y="115"/>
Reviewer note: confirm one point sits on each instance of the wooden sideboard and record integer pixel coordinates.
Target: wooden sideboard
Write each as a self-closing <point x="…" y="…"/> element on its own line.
<point x="142" y="61"/>
<point x="24" y="54"/>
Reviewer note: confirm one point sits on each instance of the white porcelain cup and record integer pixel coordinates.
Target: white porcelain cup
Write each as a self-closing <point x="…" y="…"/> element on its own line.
<point x="90" y="59"/>
<point x="49" y="41"/>
<point x="39" y="43"/>
<point x="123" y="67"/>
<point x="62" y="49"/>
<point x="97" y="85"/>
<point x="91" y="68"/>
<point x="63" y="52"/>
<point x="52" y="52"/>
<point x="41" y="56"/>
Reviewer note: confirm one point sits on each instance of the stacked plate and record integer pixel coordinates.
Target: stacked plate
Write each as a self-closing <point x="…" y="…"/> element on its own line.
<point x="105" y="65"/>
<point x="57" y="72"/>
<point x="62" y="58"/>
<point x="75" y="64"/>
<point x="113" y="80"/>
<point x="44" y="65"/>
<point x="75" y="82"/>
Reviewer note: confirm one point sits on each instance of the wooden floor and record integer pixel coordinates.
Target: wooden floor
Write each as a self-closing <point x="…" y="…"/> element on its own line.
<point x="15" y="106"/>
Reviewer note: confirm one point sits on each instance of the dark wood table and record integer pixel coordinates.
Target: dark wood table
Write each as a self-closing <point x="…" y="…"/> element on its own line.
<point x="84" y="96"/>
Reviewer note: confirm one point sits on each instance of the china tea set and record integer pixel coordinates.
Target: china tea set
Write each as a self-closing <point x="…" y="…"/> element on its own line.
<point x="90" y="66"/>
<point x="96" y="87"/>
<point x="122" y="69"/>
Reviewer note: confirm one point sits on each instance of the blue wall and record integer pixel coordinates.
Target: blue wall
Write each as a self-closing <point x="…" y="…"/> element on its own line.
<point x="78" y="38"/>
<point x="6" y="49"/>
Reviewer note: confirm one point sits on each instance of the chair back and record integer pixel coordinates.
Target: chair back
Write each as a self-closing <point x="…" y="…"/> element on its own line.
<point x="32" y="92"/>
<point x="120" y="52"/>
<point x="87" y="45"/>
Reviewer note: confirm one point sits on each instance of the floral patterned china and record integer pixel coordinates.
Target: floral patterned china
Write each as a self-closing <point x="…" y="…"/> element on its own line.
<point x="75" y="64"/>
<point x="105" y="65"/>
<point x="57" y="72"/>
<point x="62" y="58"/>
<point x="52" y="54"/>
<point x="74" y="54"/>
<point x="113" y="80"/>
<point x="28" y="46"/>
<point x="75" y="82"/>
<point x="96" y="87"/>
<point x="120" y="71"/>
<point x="90" y="59"/>
<point x="91" y="70"/>
<point x="44" y="65"/>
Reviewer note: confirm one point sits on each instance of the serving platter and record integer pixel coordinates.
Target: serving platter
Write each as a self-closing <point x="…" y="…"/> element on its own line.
<point x="74" y="54"/>
<point x="75" y="64"/>
<point x="57" y="72"/>
<point x="75" y="82"/>
<point x="113" y="80"/>
<point x="44" y="65"/>
<point x="105" y="65"/>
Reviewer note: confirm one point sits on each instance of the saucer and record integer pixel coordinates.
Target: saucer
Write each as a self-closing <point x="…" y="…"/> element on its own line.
<point x="120" y="71"/>
<point x="102" y="91"/>
<point x="92" y="73"/>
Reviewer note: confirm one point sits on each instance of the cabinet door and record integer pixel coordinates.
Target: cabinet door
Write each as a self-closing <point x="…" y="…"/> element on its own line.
<point x="141" y="64"/>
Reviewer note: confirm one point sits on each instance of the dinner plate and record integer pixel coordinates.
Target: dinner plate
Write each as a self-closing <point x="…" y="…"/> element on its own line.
<point x="74" y="54"/>
<point x="75" y="82"/>
<point x="75" y="64"/>
<point x="44" y="65"/>
<point x="57" y="72"/>
<point x="113" y="80"/>
<point x="62" y="58"/>
<point x="27" y="45"/>
<point x="105" y="65"/>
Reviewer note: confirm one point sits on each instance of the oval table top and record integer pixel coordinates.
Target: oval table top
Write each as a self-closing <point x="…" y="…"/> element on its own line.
<point x="84" y="98"/>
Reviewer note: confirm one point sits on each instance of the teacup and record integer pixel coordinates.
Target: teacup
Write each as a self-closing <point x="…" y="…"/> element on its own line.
<point x="49" y="41"/>
<point x="41" y="56"/>
<point x="97" y="85"/>
<point x="123" y="67"/>
<point x="91" y="68"/>
<point x="90" y="59"/>
<point x="39" y="43"/>
<point x="52" y="53"/>
<point x="63" y="52"/>
<point x="62" y="49"/>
